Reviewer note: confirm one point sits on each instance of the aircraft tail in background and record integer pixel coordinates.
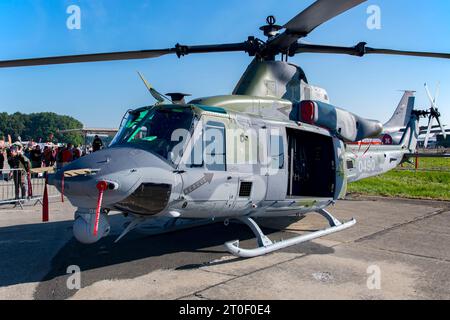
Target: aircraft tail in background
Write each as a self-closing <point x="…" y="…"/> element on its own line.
<point x="402" y="115"/>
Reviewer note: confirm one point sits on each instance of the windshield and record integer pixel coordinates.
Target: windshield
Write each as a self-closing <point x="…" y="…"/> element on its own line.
<point x="161" y="130"/>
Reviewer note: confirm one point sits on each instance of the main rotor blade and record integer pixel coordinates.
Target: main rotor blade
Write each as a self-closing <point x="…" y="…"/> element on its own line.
<point x="408" y="53"/>
<point x="316" y="48"/>
<point x="318" y="13"/>
<point x="179" y="50"/>
<point x="127" y="55"/>
<point x="361" y="50"/>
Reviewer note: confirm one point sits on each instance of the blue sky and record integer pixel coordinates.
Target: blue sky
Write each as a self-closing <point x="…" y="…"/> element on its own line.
<point x="98" y="94"/>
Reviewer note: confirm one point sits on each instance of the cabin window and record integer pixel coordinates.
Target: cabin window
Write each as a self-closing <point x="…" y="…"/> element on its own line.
<point x="215" y="146"/>
<point x="276" y="152"/>
<point x="196" y="160"/>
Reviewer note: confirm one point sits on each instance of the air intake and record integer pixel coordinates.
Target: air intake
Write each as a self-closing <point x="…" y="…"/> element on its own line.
<point x="245" y="190"/>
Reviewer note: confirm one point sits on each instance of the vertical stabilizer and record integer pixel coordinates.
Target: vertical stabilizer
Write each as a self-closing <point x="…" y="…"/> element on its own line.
<point x="402" y="114"/>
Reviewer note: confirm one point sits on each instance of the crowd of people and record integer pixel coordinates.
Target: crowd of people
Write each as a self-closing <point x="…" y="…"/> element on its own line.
<point x="21" y="159"/>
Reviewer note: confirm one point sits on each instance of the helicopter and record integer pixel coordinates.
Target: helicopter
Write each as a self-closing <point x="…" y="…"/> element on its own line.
<point x="276" y="147"/>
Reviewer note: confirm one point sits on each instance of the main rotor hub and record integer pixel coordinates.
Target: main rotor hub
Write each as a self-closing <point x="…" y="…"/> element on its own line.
<point x="271" y="29"/>
<point x="178" y="97"/>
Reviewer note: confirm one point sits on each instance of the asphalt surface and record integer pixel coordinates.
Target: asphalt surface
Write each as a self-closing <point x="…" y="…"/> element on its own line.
<point x="405" y="244"/>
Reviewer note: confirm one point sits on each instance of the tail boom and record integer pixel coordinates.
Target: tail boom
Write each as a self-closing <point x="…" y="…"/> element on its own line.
<point x="373" y="160"/>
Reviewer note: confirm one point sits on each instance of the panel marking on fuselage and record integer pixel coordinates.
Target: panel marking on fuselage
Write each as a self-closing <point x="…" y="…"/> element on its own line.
<point x="207" y="178"/>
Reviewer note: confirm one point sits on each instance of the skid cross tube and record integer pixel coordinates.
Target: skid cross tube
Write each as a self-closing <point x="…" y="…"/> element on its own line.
<point x="267" y="246"/>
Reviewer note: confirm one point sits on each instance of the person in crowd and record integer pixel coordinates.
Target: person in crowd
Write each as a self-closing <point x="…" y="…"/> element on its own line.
<point x="76" y="153"/>
<point x="36" y="157"/>
<point x="97" y="144"/>
<point x="48" y="157"/>
<point x="21" y="168"/>
<point x="8" y="157"/>
<point x="27" y="149"/>
<point x="2" y="159"/>
<point x="67" y="155"/>
<point x="58" y="157"/>
<point x="55" y="151"/>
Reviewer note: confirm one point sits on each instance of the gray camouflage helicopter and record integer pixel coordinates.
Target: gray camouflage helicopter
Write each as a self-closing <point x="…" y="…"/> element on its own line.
<point x="276" y="147"/>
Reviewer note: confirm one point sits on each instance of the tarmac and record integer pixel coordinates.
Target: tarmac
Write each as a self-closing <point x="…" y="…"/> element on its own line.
<point x="399" y="249"/>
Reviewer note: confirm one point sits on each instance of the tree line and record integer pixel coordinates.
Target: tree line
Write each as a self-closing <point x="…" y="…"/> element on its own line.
<point x="40" y="127"/>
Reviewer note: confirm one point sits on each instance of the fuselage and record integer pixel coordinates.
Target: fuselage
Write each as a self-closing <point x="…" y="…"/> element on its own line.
<point x="244" y="165"/>
<point x="221" y="164"/>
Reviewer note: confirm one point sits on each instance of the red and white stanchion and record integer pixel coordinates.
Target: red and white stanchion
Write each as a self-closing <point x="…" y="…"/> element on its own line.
<point x="101" y="186"/>
<point x="45" y="217"/>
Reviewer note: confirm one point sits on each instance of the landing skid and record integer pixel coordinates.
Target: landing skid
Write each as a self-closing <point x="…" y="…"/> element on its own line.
<point x="265" y="245"/>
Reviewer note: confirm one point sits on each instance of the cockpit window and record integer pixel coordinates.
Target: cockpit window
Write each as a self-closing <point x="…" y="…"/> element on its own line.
<point x="161" y="130"/>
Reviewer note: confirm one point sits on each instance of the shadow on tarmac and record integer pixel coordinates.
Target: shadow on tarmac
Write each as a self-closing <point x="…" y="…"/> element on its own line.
<point x="43" y="252"/>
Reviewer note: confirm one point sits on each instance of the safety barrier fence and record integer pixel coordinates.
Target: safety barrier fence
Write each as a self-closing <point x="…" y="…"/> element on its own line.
<point x="428" y="160"/>
<point x="19" y="187"/>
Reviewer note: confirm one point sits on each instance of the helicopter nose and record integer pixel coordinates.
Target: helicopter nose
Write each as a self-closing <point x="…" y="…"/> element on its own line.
<point x="124" y="170"/>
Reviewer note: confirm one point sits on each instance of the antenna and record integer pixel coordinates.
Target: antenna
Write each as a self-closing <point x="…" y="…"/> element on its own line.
<point x="271" y="29"/>
<point x="155" y="94"/>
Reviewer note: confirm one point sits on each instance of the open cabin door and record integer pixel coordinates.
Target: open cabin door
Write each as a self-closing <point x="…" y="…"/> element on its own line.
<point x="311" y="165"/>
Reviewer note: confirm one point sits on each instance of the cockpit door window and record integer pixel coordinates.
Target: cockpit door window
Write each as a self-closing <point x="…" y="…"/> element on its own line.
<point x="215" y="146"/>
